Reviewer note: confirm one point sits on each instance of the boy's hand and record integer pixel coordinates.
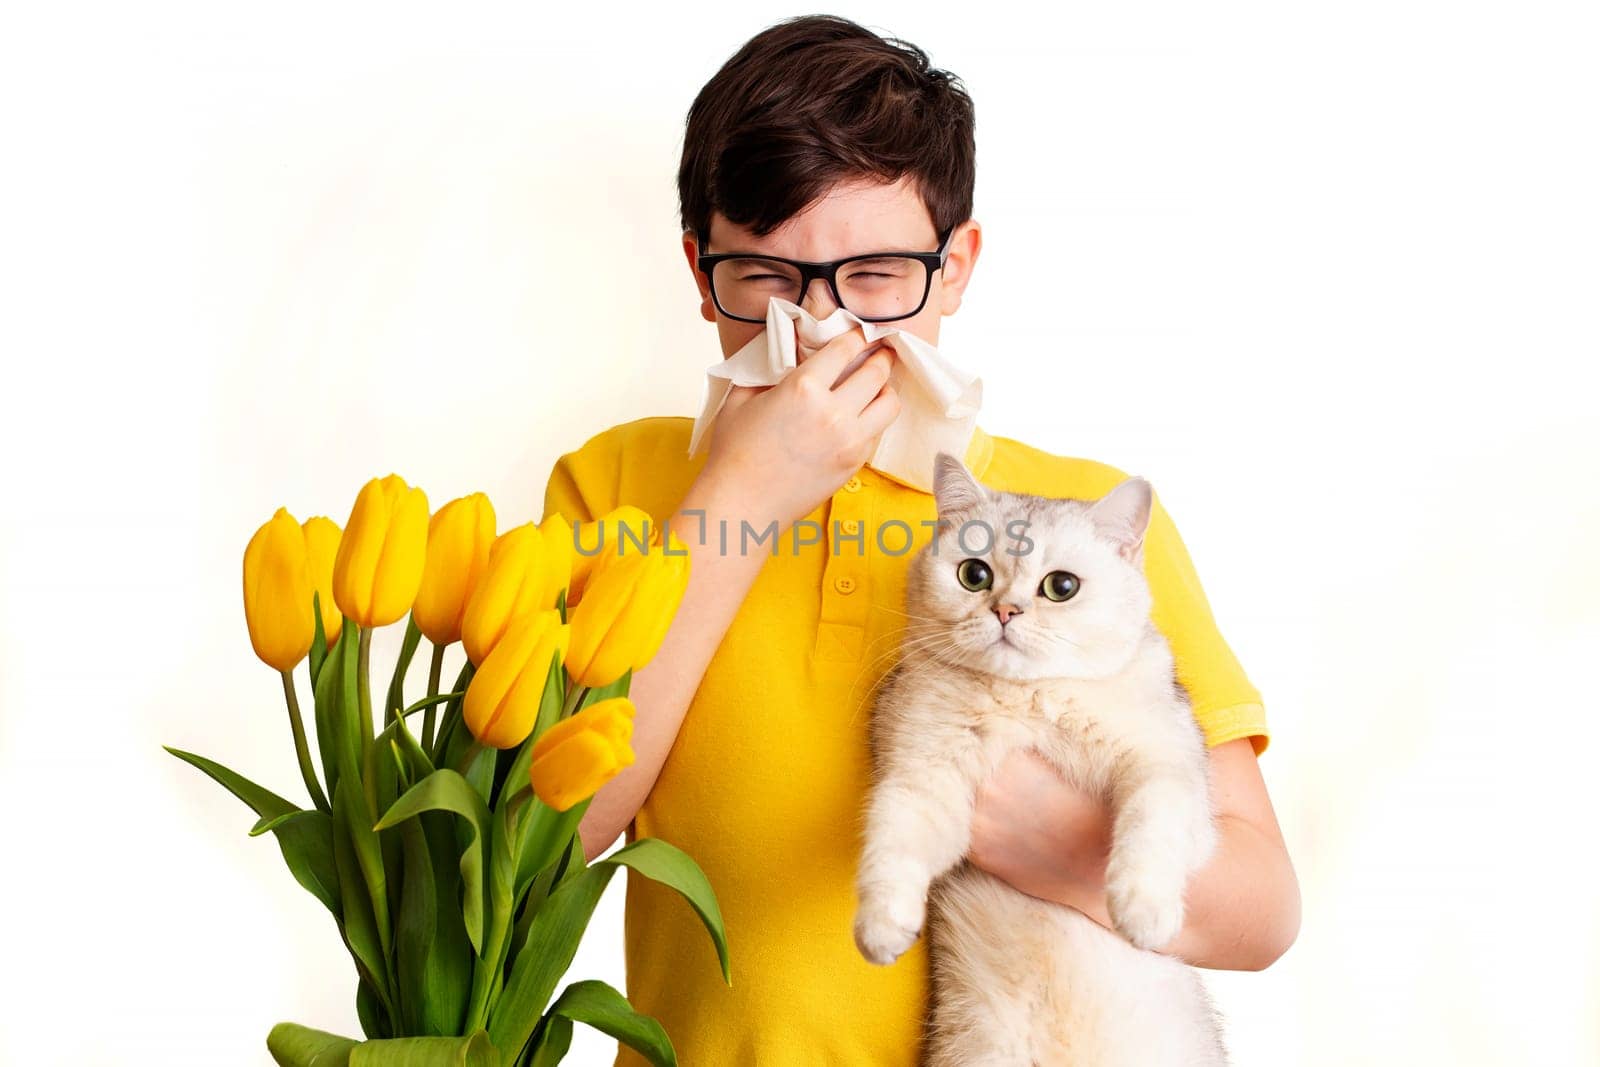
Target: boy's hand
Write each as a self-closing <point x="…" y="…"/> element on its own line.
<point x="780" y="451"/>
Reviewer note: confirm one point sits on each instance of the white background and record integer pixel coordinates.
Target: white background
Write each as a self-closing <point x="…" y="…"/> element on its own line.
<point x="1326" y="274"/>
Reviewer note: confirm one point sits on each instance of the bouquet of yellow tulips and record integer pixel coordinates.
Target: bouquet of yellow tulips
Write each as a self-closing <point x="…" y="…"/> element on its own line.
<point x="449" y="857"/>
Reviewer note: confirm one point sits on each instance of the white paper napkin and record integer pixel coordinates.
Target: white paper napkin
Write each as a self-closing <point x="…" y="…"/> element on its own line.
<point x="939" y="401"/>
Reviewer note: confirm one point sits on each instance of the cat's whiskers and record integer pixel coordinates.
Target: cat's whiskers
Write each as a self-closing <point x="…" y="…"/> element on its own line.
<point x="934" y="643"/>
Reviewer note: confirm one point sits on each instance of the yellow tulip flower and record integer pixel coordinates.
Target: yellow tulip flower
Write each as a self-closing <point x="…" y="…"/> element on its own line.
<point x="459" y="536"/>
<point x="576" y="756"/>
<point x="595" y="539"/>
<point x="556" y="534"/>
<point x="522" y="577"/>
<point x="277" y="592"/>
<point x="322" y="545"/>
<point x="502" y="702"/>
<point x="626" y="609"/>
<point x="378" y="570"/>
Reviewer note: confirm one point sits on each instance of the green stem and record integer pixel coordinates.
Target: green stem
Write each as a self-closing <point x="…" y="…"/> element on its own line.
<point x="364" y="686"/>
<point x="302" y="753"/>
<point x="575" y="697"/>
<point x="451" y="722"/>
<point x="433" y="690"/>
<point x="369" y="780"/>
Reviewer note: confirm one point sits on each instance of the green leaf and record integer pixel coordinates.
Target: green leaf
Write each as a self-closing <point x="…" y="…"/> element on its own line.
<point x="337" y="723"/>
<point x="552" y="1042"/>
<point x="368" y="851"/>
<point x="575" y="863"/>
<point x="369" y="1009"/>
<point x="408" y="649"/>
<point x="471" y="1051"/>
<point x="671" y="866"/>
<point x="534" y="886"/>
<point x="305" y="837"/>
<point x="451" y="956"/>
<point x="319" y="639"/>
<point x="618" y="688"/>
<point x="552" y="941"/>
<point x="445" y="790"/>
<point x="384" y="788"/>
<point x="428" y="702"/>
<point x="293" y="1045"/>
<point x="433" y="956"/>
<point x="360" y="926"/>
<point x="558" y="925"/>
<point x="349" y="702"/>
<point x="480" y="774"/>
<point x="602" y="1007"/>
<point x="414" y="924"/>
<point x="262" y="801"/>
<point x="502" y="872"/>
<point x="408" y="752"/>
<point x="546" y="834"/>
<point x="454" y="737"/>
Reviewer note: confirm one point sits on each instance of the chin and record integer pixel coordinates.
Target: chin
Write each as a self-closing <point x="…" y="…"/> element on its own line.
<point x="1008" y="661"/>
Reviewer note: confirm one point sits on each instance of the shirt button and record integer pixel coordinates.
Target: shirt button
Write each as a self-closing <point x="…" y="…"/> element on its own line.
<point x="853" y="485"/>
<point x="845" y="584"/>
<point x="852" y="526"/>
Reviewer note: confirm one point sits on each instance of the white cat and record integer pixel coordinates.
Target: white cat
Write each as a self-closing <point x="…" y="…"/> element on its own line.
<point x="1040" y="636"/>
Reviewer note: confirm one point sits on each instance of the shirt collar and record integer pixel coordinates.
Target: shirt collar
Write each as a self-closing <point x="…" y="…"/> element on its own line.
<point x="980" y="450"/>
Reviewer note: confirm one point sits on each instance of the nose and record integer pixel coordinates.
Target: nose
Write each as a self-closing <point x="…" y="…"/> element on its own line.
<point x="1005" y="611"/>
<point x="818" y="299"/>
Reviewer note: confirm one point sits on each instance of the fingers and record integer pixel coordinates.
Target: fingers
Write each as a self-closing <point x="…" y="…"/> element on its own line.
<point x="830" y="361"/>
<point x="877" y="416"/>
<point x="859" y="389"/>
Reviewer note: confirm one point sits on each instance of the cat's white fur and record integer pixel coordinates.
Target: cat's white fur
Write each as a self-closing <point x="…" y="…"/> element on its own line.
<point x="1089" y="683"/>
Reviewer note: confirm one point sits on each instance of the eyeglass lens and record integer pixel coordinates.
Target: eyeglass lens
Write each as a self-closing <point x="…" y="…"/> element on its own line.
<point x="871" y="288"/>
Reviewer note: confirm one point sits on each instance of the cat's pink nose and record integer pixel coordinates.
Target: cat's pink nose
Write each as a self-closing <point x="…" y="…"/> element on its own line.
<point x="1005" y="611"/>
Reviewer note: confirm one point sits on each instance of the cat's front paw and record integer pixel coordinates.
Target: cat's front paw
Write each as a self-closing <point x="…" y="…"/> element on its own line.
<point x="1144" y="901"/>
<point x="888" y="922"/>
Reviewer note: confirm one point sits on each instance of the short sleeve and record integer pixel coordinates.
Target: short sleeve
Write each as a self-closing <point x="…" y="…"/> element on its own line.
<point x="1226" y="704"/>
<point x="583" y="483"/>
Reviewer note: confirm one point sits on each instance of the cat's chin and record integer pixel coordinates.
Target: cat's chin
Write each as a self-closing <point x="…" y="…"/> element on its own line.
<point x="1005" y="660"/>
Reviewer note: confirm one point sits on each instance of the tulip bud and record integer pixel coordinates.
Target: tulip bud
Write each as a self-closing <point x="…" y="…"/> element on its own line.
<point x="459" y="536"/>
<point x="322" y="545"/>
<point x="277" y="592"/>
<point x="626" y="609"/>
<point x="576" y="756"/>
<point x="379" y="566"/>
<point x="521" y="578"/>
<point x="502" y="702"/>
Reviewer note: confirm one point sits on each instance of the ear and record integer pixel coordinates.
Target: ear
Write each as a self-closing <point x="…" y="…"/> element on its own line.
<point x="1123" y="515"/>
<point x="691" y="252"/>
<point x="955" y="490"/>
<point x="965" y="242"/>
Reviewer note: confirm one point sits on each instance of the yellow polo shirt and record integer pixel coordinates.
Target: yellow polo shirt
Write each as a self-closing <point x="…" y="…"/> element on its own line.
<point x="765" y="783"/>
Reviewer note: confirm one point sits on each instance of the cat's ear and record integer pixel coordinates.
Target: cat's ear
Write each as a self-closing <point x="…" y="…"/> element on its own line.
<point x="955" y="490"/>
<point x="1123" y="515"/>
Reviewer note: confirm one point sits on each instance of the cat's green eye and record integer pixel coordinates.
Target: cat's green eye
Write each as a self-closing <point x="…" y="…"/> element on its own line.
<point x="1059" y="585"/>
<point x="974" y="574"/>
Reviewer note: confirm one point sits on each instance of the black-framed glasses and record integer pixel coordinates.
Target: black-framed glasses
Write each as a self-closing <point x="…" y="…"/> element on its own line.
<point x="874" y="286"/>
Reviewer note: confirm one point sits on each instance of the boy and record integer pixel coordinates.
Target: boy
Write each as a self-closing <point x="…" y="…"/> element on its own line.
<point x="816" y="141"/>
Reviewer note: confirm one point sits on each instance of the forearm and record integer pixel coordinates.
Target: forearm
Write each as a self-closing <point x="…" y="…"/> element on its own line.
<point x="662" y="689"/>
<point x="1242" y="907"/>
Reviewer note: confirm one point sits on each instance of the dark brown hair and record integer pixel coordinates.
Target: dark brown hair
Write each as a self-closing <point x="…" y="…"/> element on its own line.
<point x="815" y="100"/>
